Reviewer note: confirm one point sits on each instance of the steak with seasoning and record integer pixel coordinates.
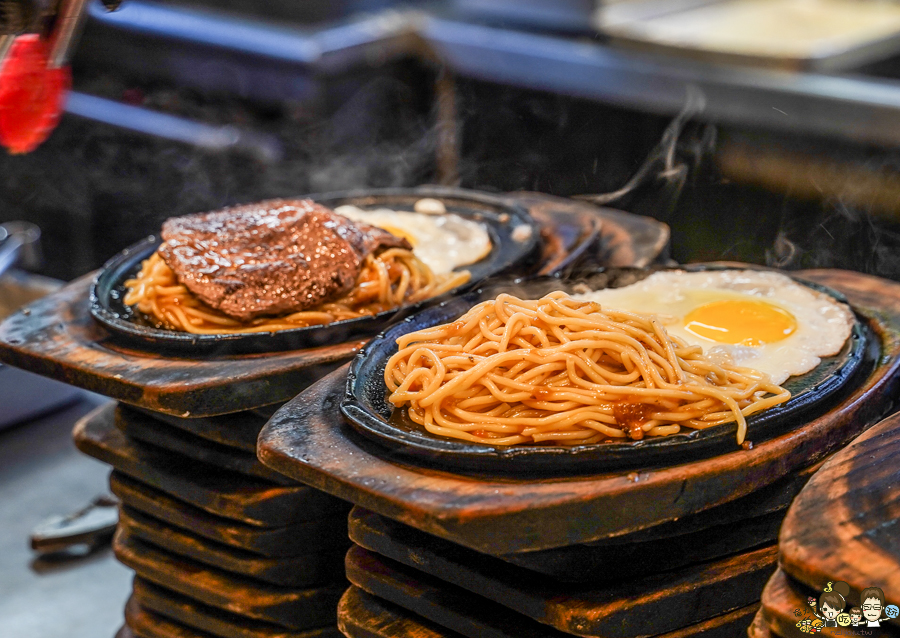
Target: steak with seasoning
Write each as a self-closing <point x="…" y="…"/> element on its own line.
<point x="270" y="257"/>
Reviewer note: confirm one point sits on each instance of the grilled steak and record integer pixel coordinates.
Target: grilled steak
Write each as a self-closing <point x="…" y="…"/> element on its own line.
<point x="271" y="257"/>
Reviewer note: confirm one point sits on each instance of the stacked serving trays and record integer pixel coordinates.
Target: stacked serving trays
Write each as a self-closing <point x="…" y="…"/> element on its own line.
<point x="222" y="545"/>
<point x="218" y="545"/>
<point x="841" y="527"/>
<point x="678" y="548"/>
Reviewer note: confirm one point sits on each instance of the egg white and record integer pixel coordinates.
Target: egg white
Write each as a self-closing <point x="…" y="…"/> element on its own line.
<point x="443" y="241"/>
<point x="823" y="324"/>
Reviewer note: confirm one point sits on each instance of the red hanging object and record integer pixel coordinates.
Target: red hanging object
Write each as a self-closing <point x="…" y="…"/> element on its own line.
<point x="32" y="96"/>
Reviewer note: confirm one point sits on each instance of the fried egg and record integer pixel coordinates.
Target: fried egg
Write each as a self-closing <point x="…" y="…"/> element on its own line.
<point x="443" y="241"/>
<point x="755" y="319"/>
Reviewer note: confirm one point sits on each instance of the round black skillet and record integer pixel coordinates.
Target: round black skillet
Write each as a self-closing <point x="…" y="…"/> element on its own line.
<point x="514" y="236"/>
<point x="369" y="413"/>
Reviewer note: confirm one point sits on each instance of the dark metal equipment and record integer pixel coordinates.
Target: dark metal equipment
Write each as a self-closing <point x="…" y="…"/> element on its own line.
<point x="87" y="529"/>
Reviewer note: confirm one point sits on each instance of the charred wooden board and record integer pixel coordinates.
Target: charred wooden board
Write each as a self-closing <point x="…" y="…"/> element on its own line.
<point x="142" y="427"/>
<point x="217" y="622"/>
<point x="626" y="240"/>
<point x="768" y="500"/>
<point x="328" y="532"/>
<point x="238" y="430"/>
<point x="293" y="608"/>
<point x="361" y="615"/>
<point x="759" y="629"/>
<point x="581" y="608"/>
<point x="308" y="441"/>
<point x="304" y="570"/>
<point x="609" y="563"/>
<point x="445" y="605"/>
<point x="144" y="622"/>
<point x="217" y="491"/>
<point x="579" y="563"/>
<point x="724" y="626"/>
<point x="462" y="608"/>
<point x="57" y="337"/>
<point x="844" y="524"/>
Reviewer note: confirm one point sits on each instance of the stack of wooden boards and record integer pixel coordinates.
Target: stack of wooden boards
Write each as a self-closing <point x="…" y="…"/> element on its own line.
<point x="674" y="551"/>
<point x="841" y="527"/>
<point x="221" y="546"/>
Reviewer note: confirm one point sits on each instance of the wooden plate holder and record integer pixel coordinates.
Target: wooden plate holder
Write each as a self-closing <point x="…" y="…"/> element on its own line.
<point x="308" y="441"/>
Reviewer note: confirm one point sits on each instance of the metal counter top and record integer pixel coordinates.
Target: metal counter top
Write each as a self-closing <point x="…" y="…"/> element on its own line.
<point x="276" y="61"/>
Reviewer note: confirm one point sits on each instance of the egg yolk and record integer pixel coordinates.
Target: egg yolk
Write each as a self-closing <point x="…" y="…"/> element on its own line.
<point x="740" y="322"/>
<point x="396" y="232"/>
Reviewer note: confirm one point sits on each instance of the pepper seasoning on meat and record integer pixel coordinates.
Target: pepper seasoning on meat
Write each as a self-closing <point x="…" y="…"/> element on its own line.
<point x="270" y="257"/>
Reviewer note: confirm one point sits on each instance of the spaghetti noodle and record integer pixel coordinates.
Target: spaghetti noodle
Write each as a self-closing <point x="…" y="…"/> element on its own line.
<point x="387" y="280"/>
<point x="566" y="372"/>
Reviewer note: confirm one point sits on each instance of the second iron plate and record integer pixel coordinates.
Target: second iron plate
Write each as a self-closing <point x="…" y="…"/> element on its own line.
<point x="366" y="407"/>
<point x="503" y="218"/>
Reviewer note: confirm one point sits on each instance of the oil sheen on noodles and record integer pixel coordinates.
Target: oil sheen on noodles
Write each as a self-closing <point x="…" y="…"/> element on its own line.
<point x="392" y="278"/>
<point x="561" y="371"/>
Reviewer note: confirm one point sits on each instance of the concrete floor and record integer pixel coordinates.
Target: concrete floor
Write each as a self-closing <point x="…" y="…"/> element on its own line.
<point x="42" y="474"/>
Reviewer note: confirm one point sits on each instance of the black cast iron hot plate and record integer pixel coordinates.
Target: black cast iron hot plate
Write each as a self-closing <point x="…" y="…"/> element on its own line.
<point x="366" y="407"/>
<point x="515" y="242"/>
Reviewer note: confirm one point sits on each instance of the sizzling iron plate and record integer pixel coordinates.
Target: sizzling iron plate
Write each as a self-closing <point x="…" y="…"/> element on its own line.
<point x="502" y="216"/>
<point x="368" y="411"/>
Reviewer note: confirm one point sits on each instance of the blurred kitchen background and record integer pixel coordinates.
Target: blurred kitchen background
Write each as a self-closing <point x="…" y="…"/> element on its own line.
<point x="784" y="153"/>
